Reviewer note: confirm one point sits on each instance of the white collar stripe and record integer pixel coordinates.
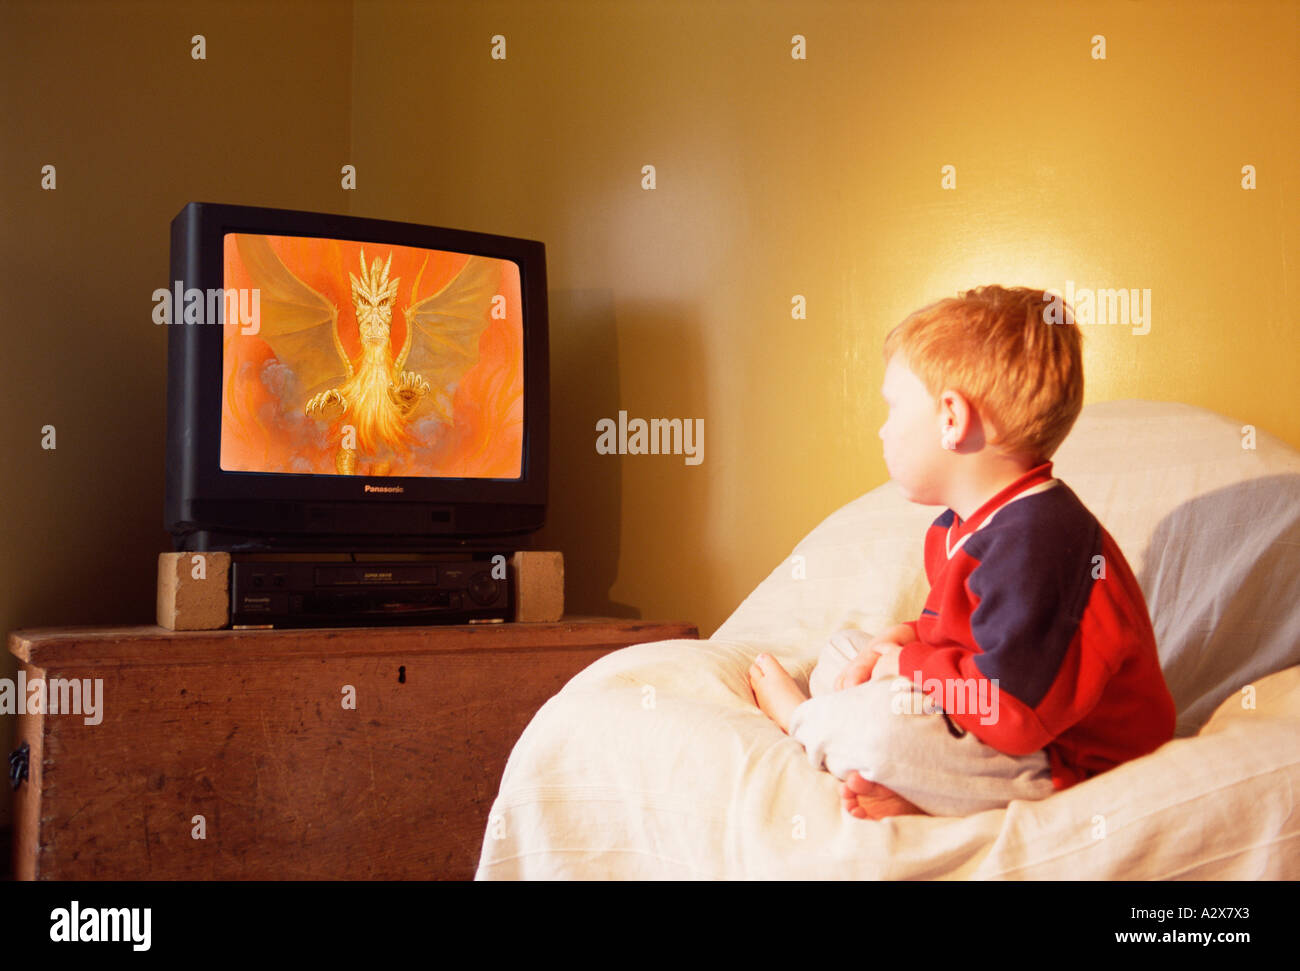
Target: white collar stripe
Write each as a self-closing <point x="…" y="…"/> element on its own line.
<point x="1032" y="491"/>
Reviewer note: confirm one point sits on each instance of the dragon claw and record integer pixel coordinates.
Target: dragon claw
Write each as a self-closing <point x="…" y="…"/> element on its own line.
<point x="324" y="401"/>
<point x="410" y="386"/>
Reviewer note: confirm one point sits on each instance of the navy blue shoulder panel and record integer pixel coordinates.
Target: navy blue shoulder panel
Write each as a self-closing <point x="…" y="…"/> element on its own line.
<point x="1034" y="579"/>
<point x="946" y="519"/>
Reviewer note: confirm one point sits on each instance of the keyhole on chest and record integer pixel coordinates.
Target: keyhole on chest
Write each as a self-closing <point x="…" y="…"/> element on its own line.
<point x="401" y="674"/>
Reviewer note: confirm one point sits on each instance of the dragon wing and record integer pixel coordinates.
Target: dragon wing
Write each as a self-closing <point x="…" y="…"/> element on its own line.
<point x="299" y="324"/>
<point x="443" y="330"/>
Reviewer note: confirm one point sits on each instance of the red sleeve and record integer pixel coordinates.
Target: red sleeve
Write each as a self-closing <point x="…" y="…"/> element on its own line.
<point x="995" y="673"/>
<point x="983" y="707"/>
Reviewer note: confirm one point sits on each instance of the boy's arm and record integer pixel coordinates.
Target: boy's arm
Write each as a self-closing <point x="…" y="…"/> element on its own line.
<point x="985" y="707"/>
<point x="900" y="634"/>
<point x="1018" y="643"/>
<point x="863" y="667"/>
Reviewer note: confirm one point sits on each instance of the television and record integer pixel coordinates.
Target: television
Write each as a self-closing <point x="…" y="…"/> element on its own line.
<point x="337" y="383"/>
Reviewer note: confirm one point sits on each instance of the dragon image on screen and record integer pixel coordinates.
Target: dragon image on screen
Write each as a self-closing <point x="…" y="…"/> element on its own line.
<point x="371" y="360"/>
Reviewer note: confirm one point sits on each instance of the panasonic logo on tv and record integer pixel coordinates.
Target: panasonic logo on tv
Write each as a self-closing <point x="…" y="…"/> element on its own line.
<point x="370" y="488"/>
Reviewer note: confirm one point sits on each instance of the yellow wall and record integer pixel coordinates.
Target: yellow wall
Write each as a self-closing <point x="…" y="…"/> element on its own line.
<point x="821" y="177"/>
<point x="775" y="177"/>
<point x="109" y="94"/>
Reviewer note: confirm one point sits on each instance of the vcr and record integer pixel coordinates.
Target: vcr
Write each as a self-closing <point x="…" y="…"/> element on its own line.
<point x="347" y="590"/>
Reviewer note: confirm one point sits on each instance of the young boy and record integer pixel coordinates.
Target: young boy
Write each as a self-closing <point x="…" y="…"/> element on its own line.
<point x="1033" y="665"/>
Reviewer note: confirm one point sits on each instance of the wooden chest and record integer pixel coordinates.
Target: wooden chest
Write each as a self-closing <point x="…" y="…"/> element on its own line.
<point x="309" y="754"/>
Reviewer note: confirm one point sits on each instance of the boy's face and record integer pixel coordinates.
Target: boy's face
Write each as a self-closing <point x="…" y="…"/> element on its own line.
<point x="911" y="435"/>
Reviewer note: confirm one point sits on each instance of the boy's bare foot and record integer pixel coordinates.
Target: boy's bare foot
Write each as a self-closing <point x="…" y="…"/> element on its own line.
<point x="774" y="690"/>
<point x="864" y="799"/>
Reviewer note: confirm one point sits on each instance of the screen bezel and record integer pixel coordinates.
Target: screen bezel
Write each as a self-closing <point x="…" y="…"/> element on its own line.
<point x="196" y="380"/>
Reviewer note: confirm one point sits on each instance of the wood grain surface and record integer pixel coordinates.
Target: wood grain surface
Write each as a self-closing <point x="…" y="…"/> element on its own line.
<point x="247" y="729"/>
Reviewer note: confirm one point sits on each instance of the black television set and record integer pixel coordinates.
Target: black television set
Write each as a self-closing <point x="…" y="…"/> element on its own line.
<point x="344" y="384"/>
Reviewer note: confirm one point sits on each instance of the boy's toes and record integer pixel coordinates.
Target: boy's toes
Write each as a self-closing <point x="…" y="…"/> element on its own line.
<point x="865" y="799"/>
<point x="855" y="785"/>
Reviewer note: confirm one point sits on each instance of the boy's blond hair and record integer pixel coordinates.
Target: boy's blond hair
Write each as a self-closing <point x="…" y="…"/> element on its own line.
<point x="995" y="346"/>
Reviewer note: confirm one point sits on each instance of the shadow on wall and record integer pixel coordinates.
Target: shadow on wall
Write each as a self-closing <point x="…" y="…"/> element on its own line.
<point x="1221" y="577"/>
<point x="585" y="500"/>
<point x="585" y="507"/>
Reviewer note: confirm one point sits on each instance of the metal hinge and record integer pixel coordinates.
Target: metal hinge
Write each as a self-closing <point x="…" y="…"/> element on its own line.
<point x="18" y="764"/>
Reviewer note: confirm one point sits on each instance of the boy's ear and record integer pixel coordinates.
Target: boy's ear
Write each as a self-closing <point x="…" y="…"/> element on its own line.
<point x="954" y="413"/>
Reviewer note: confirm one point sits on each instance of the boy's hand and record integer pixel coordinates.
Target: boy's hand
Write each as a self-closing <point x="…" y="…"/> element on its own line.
<point x="860" y="669"/>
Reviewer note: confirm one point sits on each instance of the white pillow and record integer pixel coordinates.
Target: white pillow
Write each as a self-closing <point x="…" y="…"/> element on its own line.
<point x="1211" y="529"/>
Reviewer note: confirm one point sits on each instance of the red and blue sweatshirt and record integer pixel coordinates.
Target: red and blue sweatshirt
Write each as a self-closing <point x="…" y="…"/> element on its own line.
<point x="1034" y="597"/>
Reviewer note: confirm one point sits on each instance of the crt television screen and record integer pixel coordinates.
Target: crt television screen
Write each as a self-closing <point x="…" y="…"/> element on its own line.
<point x="349" y="358"/>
